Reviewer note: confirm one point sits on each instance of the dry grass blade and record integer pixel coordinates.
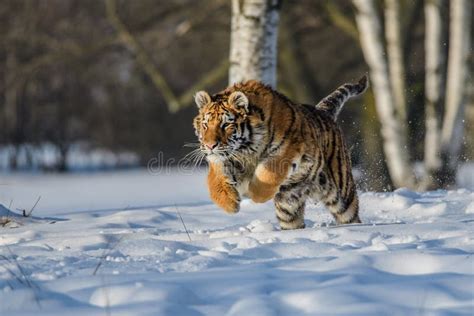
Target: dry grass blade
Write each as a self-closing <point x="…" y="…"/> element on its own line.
<point x="32" y="209"/>
<point x="11" y="271"/>
<point x="23" y="278"/>
<point x="182" y="222"/>
<point x="106" y="252"/>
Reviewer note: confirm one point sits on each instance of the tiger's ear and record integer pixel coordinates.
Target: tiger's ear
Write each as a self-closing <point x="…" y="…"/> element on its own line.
<point x="239" y="100"/>
<point x="202" y="98"/>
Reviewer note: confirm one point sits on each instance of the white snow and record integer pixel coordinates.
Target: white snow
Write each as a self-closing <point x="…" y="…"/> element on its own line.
<point x="412" y="255"/>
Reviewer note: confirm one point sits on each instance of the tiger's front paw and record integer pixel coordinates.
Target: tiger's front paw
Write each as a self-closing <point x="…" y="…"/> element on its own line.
<point x="226" y="198"/>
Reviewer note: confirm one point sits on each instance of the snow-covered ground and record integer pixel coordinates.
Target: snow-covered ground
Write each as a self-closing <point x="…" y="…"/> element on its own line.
<point x="114" y="244"/>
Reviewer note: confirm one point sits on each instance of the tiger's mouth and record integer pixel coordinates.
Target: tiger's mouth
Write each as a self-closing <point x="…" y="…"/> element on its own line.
<point x="217" y="154"/>
<point x="214" y="158"/>
<point x="219" y="150"/>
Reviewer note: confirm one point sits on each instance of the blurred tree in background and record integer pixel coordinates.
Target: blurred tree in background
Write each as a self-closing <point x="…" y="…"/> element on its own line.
<point x="442" y="141"/>
<point x="120" y="75"/>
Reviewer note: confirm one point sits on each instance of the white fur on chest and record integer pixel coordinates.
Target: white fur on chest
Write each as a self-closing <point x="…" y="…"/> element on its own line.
<point x="243" y="188"/>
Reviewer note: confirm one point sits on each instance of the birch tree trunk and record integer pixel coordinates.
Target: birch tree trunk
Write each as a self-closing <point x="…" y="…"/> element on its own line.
<point x="395" y="56"/>
<point x="434" y="92"/>
<point x="253" y="41"/>
<point x="459" y="46"/>
<point x="394" y="142"/>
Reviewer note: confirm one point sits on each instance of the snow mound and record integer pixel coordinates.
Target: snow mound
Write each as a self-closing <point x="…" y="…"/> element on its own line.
<point x="411" y="255"/>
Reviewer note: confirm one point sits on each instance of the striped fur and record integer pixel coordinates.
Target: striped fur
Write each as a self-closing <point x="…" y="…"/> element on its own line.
<point x="262" y="145"/>
<point x="334" y="102"/>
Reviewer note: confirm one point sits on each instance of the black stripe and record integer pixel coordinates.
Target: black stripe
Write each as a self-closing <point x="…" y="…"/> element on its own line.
<point x="322" y="179"/>
<point x="322" y="123"/>
<point x="340" y="97"/>
<point x="345" y="90"/>
<point x="314" y="171"/>
<point x="289" y="186"/>
<point x="272" y="134"/>
<point x="317" y="122"/>
<point x="269" y="144"/>
<point x="314" y="131"/>
<point x="346" y="168"/>
<point x="339" y="168"/>
<point x="332" y="103"/>
<point x="331" y="154"/>
<point x="302" y="131"/>
<point x="332" y="202"/>
<point x="292" y="216"/>
<point x="354" y="215"/>
<point x="258" y="111"/>
<point x="350" y="198"/>
<point x="346" y="204"/>
<point x="346" y="161"/>
<point x="287" y="131"/>
<point x="283" y="220"/>
<point x="249" y="127"/>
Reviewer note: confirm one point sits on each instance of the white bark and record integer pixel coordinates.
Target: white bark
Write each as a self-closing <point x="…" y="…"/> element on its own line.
<point x="459" y="46"/>
<point x="434" y="59"/>
<point x="253" y="47"/>
<point x="394" y="142"/>
<point x="395" y="56"/>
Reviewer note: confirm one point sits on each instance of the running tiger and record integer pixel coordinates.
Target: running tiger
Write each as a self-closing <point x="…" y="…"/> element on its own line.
<point x="262" y="145"/>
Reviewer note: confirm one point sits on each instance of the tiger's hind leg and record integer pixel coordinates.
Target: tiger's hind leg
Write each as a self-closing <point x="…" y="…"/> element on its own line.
<point x="290" y="203"/>
<point x="344" y="210"/>
<point x="338" y="188"/>
<point x="344" y="207"/>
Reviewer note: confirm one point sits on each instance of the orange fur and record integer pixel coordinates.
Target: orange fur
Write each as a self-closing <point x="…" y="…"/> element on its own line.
<point x="269" y="176"/>
<point x="222" y="193"/>
<point x="279" y="149"/>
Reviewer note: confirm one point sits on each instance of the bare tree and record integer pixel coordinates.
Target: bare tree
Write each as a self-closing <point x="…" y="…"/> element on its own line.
<point x="394" y="139"/>
<point x="253" y="47"/>
<point x="147" y="64"/>
<point x="434" y="92"/>
<point x="395" y="56"/>
<point x="442" y="142"/>
<point x="456" y="92"/>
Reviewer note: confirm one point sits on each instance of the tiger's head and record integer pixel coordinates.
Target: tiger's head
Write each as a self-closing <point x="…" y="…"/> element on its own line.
<point x="223" y="125"/>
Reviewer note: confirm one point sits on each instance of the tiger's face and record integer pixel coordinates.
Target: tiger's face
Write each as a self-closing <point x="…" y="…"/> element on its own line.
<point x="222" y="125"/>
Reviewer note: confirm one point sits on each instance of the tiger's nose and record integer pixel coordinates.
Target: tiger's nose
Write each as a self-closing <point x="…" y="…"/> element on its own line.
<point x="211" y="146"/>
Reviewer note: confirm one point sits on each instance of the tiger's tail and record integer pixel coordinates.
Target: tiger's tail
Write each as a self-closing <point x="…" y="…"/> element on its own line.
<point x="334" y="102"/>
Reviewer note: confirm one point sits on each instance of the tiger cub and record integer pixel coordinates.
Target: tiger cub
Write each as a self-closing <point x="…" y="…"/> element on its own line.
<point x="260" y="144"/>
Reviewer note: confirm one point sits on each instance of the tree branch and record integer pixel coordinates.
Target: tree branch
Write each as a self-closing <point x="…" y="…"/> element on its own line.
<point x="68" y="53"/>
<point x="213" y="76"/>
<point x="341" y="21"/>
<point x="143" y="59"/>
